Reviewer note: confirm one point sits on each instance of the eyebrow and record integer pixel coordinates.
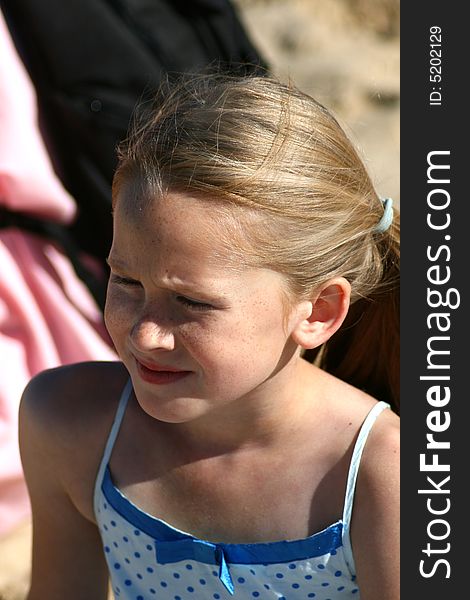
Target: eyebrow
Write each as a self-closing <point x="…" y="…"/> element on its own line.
<point x="181" y="287"/>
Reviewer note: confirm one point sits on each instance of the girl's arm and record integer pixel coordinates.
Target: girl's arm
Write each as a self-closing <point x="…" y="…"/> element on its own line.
<point x="376" y="516"/>
<point x="67" y="558"/>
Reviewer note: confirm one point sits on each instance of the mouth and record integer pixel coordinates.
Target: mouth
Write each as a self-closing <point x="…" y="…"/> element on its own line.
<point x="159" y="374"/>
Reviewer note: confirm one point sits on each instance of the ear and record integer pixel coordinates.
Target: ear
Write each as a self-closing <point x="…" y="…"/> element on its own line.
<point x="326" y="312"/>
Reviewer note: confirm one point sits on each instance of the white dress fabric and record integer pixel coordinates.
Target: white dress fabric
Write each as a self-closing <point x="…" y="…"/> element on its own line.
<point x="149" y="559"/>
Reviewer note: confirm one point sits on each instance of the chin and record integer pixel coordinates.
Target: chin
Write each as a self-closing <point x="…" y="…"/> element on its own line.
<point x="171" y="410"/>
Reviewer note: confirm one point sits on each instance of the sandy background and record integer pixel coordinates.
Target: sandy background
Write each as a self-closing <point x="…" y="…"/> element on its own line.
<point x="346" y="54"/>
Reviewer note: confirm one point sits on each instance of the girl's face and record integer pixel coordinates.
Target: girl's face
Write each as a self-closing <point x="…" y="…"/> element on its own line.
<point x="195" y="328"/>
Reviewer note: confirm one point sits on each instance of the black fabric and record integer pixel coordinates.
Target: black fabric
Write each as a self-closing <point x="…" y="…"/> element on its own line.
<point x="57" y="234"/>
<point x="92" y="60"/>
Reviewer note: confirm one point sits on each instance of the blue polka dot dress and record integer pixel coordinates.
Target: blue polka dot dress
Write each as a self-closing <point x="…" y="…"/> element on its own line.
<point x="149" y="559"/>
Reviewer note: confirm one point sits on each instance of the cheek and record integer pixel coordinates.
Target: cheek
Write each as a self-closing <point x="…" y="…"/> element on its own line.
<point x="117" y="314"/>
<point x="238" y="347"/>
<point x="262" y="324"/>
<point x="212" y="345"/>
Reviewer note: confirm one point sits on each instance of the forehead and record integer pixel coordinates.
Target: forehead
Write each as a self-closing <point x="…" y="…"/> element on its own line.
<point x="179" y="224"/>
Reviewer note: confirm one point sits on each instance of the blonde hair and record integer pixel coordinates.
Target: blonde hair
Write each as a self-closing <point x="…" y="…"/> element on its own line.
<point x="258" y="144"/>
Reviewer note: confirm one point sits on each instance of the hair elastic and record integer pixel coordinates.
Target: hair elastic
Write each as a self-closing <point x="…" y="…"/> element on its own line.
<point x="387" y="217"/>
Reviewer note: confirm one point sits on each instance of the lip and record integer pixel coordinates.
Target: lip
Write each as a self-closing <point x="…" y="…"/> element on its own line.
<point x="159" y="374"/>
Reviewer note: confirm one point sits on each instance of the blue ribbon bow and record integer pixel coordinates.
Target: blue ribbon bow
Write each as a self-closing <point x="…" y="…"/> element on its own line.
<point x="198" y="550"/>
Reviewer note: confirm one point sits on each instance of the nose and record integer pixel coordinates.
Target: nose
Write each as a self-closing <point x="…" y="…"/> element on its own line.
<point x="147" y="335"/>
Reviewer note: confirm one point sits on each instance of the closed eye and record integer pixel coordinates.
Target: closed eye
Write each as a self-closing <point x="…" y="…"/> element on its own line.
<point x="184" y="300"/>
<point x="123" y="280"/>
<point x="194" y="304"/>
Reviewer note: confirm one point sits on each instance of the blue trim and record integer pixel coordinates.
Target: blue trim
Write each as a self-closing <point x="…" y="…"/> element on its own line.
<point x="190" y="547"/>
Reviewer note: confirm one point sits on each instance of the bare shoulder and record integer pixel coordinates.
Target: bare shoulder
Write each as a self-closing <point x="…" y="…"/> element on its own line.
<point x="381" y="458"/>
<point x="376" y="512"/>
<point x="58" y="402"/>
<point x="68" y="392"/>
<point x="65" y="417"/>
<point x="376" y="508"/>
<point x="347" y="408"/>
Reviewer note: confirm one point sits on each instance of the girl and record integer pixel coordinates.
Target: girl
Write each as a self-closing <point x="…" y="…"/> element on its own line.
<point x="215" y="461"/>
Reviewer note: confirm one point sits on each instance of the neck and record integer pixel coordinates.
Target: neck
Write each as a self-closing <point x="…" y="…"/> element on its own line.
<point x="270" y="415"/>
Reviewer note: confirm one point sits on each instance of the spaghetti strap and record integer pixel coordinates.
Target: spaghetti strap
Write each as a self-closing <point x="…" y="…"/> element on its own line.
<point x="126" y="392"/>
<point x="352" y="477"/>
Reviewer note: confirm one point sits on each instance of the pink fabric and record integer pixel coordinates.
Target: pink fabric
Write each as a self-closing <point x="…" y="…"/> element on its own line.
<point x="27" y="180"/>
<point x="47" y="315"/>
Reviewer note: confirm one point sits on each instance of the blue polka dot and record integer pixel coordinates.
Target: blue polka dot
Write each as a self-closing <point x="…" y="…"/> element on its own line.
<point x="353" y="578"/>
<point x="321" y="566"/>
<point x="282" y="598"/>
<point x="252" y="571"/>
<point x="333" y="553"/>
<point x="354" y="591"/>
<point x="266" y="586"/>
<point x="105" y="527"/>
<point x="136" y="532"/>
<point x="190" y="589"/>
<point x="137" y="554"/>
<point x="308" y="577"/>
<point x="189" y="567"/>
<point x="216" y="596"/>
<point x="326" y="584"/>
<point x="117" y="566"/>
<point x="215" y="574"/>
<point x="139" y="576"/>
<point x="149" y="570"/>
<point x="202" y="581"/>
<point x="140" y="598"/>
<point x="107" y="549"/>
<point x="113" y="523"/>
<point x="152" y="591"/>
<point x="149" y="547"/>
<point x="126" y="560"/>
<point x="105" y="506"/>
<point x="295" y="586"/>
<point x="338" y="574"/>
<point x="255" y="594"/>
<point x="292" y="566"/>
<point x="176" y="575"/>
<point x="118" y="590"/>
<point x="163" y="584"/>
<point x="279" y="575"/>
<point x="128" y="582"/>
<point x="241" y="580"/>
<point x="177" y="597"/>
<point x="125" y="539"/>
<point x="341" y="588"/>
<point x="311" y="595"/>
<point x="115" y="545"/>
